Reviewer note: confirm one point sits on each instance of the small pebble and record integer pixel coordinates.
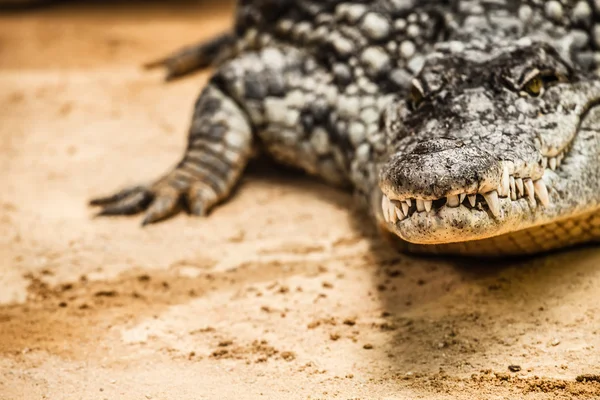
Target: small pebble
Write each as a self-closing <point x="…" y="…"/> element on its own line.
<point x="514" y="368"/>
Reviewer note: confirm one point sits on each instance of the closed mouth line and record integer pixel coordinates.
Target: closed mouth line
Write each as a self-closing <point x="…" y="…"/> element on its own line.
<point x="514" y="188"/>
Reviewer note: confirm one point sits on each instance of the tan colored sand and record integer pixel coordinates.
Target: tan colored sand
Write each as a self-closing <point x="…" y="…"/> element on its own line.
<point x="281" y="294"/>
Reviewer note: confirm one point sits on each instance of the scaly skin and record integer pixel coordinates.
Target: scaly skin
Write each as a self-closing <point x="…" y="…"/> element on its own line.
<point x="466" y="127"/>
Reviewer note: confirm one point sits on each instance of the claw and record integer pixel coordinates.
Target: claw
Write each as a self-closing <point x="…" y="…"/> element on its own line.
<point x="101" y="201"/>
<point x="156" y="63"/>
<point x="173" y="69"/>
<point x="133" y="203"/>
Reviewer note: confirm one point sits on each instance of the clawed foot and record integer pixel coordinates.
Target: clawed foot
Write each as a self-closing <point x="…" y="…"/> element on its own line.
<point x="160" y="201"/>
<point x="219" y="146"/>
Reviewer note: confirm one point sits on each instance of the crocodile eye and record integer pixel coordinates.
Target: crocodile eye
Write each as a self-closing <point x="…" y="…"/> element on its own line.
<point x="416" y="95"/>
<point x="538" y="81"/>
<point x="534" y="86"/>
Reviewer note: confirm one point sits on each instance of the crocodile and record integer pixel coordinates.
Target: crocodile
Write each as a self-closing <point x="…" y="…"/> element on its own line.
<point x="464" y="127"/>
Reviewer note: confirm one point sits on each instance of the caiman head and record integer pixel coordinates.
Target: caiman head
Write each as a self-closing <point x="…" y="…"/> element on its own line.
<point x="492" y="142"/>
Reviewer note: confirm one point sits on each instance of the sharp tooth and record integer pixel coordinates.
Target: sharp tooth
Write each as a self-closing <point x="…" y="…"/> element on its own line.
<point x="544" y="162"/>
<point x="503" y="188"/>
<point x="552" y="163"/>
<point x="513" y="190"/>
<point x="405" y="207"/>
<point x="520" y="189"/>
<point x="559" y="158"/>
<point x="409" y="202"/>
<point x="542" y="192"/>
<point x="530" y="190"/>
<point x="472" y="199"/>
<point x="420" y="205"/>
<point x="400" y="214"/>
<point x="392" y="211"/>
<point x="461" y="197"/>
<point x="385" y="206"/>
<point x="452" y="201"/>
<point x="493" y="202"/>
<point x="428" y="204"/>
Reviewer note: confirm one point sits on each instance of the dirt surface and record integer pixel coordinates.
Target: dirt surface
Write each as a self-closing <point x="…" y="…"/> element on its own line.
<point x="285" y="292"/>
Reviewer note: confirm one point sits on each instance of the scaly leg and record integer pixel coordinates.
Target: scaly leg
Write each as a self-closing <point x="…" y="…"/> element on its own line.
<point x="195" y="57"/>
<point x="219" y="147"/>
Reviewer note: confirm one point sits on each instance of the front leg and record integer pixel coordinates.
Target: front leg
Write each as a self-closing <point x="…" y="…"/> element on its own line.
<point x="219" y="147"/>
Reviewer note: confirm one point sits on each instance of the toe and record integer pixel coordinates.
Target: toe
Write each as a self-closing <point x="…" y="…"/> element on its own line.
<point x="201" y="198"/>
<point x="164" y="205"/>
<point x="197" y="207"/>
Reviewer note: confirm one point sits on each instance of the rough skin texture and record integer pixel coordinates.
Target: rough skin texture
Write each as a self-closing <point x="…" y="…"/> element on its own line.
<point x="464" y="126"/>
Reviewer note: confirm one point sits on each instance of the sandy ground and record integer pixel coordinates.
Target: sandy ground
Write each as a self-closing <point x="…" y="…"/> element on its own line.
<point x="285" y="292"/>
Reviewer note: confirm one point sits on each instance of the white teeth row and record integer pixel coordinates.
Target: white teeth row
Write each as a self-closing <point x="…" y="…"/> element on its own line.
<point x="553" y="162"/>
<point x="510" y="187"/>
<point x="393" y="210"/>
<point x="516" y="188"/>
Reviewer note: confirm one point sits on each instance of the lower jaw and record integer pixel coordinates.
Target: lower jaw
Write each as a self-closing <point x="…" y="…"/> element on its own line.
<point x="583" y="228"/>
<point x="461" y="224"/>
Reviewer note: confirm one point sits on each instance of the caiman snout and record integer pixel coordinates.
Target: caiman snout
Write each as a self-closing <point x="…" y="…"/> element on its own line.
<point x="439" y="168"/>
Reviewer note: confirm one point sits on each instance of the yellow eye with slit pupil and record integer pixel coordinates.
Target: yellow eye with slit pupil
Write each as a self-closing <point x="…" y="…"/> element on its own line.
<point x="535" y="86"/>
